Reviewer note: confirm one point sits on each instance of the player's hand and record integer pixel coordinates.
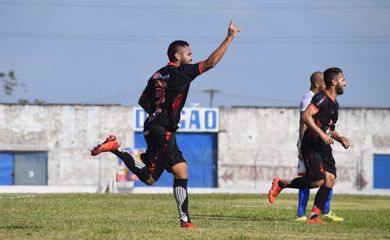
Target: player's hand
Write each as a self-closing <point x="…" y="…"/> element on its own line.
<point x="300" y="157"/>
<point x="299" y="150"/>
<point x="233" y="30"/>
<point x="327" y="139"/>
<point x="345" y="142"/>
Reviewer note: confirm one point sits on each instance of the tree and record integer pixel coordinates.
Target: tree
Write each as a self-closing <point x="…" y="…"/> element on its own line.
<point x="9" y="82"/>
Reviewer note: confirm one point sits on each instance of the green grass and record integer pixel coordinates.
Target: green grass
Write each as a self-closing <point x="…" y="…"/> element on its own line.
<point x="154" y="216"/>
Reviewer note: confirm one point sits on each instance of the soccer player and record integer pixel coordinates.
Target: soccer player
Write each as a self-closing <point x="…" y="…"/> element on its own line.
<point x="163" y="99"/>
<point x="316" y="84"/>
<point x="320" y="118"/>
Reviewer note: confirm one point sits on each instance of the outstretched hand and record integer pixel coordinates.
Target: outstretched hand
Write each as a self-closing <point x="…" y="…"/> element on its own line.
<point x="233" y="30"/>
<point x="345" y="142"/>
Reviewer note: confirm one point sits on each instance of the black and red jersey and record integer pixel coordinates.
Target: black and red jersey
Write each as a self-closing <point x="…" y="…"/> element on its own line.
<point x="326" y="118"/>
<point x="167" y="91"/>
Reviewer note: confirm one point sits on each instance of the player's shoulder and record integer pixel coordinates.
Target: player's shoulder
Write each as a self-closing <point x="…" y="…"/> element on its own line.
<point x="320" y="94"/>
<point x="306" y="99"/>
<point x="320" y="98"/>
<point x="307" y="96"/>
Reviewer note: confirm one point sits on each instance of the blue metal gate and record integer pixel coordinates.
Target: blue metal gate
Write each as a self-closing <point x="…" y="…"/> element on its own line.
<point x="381" y="171"/>
<point x="200" y="152"/>
<point x="23" y="168"/>
<point x="6" y="168"/>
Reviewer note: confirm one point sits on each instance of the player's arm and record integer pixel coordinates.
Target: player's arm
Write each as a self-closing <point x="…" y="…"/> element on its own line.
<point x="308" y="119"/>
<point x="342" y="140"/>
<point x="302" y="128"/>
<point x="144" y="102"/>
<point x="217" y="55"/>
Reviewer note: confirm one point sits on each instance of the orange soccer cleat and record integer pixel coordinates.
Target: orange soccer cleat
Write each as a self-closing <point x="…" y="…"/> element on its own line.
<point x="274" y="190"/>
<point x="110" y="144"/>
<point x="188" y="225"/>
<point x="315" y="220"/>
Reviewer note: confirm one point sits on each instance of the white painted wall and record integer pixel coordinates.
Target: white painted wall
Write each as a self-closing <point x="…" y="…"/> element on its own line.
<point x="254" y="144"/>
<point x="67" y="133"/>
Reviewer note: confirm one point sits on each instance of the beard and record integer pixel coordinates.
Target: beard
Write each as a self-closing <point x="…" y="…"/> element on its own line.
<point x="184" y="61"/>
<point x="339" y="90"/>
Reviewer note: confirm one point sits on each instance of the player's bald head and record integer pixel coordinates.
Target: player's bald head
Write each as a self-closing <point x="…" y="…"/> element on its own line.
<point x="315" y="78"/>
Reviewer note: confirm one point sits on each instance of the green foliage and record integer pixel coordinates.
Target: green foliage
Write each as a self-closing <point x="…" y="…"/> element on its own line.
<point x="9" y="82"/>
<point x="154" y="216"/>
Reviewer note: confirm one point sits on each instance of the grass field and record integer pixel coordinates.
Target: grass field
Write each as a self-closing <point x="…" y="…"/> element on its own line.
<point x="154" y="216"/>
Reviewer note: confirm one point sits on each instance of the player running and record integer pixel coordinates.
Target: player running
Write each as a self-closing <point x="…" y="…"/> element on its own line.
<point x="163" y="99"/>
<point x="316" y="84"/>
<point x="320" y="118"/>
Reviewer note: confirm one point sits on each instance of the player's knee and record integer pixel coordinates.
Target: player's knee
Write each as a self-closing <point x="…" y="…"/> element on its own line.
<point x="330" y="180"/>
<point x="149" y="181"/>
<point x="329" y="183"/>
<point x="316" y="184"/>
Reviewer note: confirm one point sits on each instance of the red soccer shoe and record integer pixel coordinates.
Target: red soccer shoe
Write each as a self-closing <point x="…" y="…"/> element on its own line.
<point x="188" y="225"/>
<point x="110" y="144"/>
<point x="316" y="220"/>
<point x="274" y="190"/>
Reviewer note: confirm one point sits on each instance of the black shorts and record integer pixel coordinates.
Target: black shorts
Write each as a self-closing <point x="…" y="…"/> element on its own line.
<point x="162" y="151"/>
<point x="317" y="163"/>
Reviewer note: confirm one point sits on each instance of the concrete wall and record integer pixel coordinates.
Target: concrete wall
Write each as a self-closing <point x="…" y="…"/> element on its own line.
<point x="67" y="133"/>
<point x="255" y="144"/>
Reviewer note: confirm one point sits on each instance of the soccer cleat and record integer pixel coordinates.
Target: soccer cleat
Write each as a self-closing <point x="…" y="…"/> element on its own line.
<point x="274" y="190"/>
<point x="301" y="219"/>
<point x="110" y="144"/>
<point x="331" y="217"/>
<point x="315" y="220"/>
<point x="188" y="225"/>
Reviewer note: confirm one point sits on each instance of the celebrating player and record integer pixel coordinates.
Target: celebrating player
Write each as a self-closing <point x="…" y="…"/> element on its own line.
<point x="320" y="118"/>
<point x="163" y="99"/>
<point x="316" y="84"/>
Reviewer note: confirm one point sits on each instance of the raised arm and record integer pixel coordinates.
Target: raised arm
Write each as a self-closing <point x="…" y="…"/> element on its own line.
<point x="217" y="55"/>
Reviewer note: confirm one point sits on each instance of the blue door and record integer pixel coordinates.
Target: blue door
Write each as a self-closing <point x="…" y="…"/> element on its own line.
<point x="200" y="152"/>
<point x="6" y="168"/>
<point x="381" y="171"/>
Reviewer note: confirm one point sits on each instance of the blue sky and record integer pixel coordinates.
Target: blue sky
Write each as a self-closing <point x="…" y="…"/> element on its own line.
<point x="104" y="51"/>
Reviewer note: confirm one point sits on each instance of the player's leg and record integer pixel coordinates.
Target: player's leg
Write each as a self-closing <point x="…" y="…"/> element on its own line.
<point x="111" y="145"/>
<point x="326" y="207"/>
<point x="137" y="167"/>
<point x="279" y="184"/>
<point x="181" y="194"/>
<point x="330" y="167"/>
<point x="303" y="199"/>
<point x="328" y="214"/>
<point x="303" y="194"/>
<point x="178" y="166"/>
<point x="315" y="169"/>
<point x="145" y="169"/>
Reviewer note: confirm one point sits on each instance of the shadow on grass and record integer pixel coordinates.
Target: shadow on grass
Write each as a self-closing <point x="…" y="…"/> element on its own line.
<point x="233" y="218"/>
<point x="20" y="226"/>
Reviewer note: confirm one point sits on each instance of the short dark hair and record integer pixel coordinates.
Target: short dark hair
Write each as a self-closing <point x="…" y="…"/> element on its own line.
<point x="174" y="48"/>
<point x="330" y="74"/>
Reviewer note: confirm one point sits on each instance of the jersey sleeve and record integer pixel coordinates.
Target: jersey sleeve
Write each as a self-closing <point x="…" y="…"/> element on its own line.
<point x="191" y="70"/>
<point x="318" y="101"/>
